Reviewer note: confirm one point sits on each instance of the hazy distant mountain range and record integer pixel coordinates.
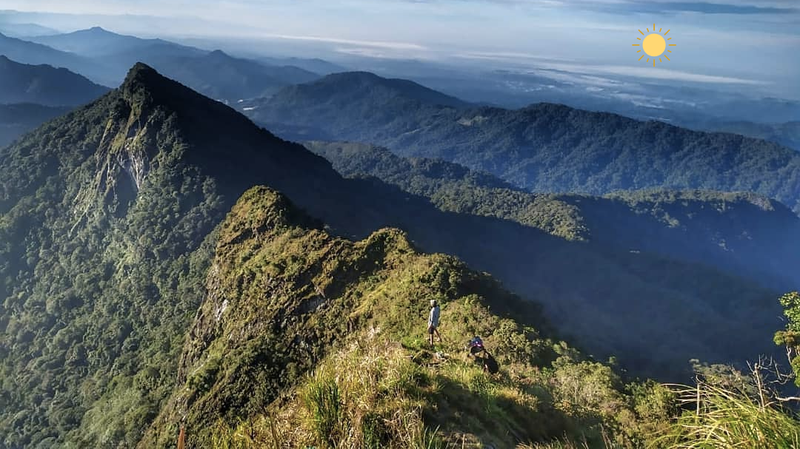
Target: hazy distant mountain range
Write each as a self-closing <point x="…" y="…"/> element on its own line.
<point x="314" y="65"/>
<point x="214" y="73"/>
<point x="24" y="30"/>
<point x="98" y="42"/>
<point x="46" y="70"/>
<point x="27" y="52"/>
<point x="690" y="105"/>
<point x="33" y="94"/>
<point x="542" y="148"/>
<point x="45" y="85"/>
<point x="230" y="79"/>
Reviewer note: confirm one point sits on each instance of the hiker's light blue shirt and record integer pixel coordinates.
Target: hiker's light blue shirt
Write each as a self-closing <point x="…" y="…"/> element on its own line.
<point x="433" y="318"/>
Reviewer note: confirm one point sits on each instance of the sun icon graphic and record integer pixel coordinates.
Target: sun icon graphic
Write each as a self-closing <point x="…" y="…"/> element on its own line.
<point x="654" y="45"/>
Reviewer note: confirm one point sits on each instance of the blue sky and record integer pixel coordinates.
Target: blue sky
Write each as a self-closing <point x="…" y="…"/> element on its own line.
<point x="750" y="40"/>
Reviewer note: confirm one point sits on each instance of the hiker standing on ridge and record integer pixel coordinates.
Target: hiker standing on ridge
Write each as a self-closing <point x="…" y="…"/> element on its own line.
<point x="433" y="322"/>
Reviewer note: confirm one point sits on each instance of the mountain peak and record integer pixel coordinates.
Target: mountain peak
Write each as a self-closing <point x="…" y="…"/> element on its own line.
<point x="139" y="75"/>
<point x="198" y="120"/>
<point x="140" y="67"/>
<point x="260" y="209"/>
<point x="360" y="78"/>
<point x="95" y="31"/>
<point x="219" y="56"/>
<point x="219" y="53"/>
<point x="144" y="86"/>
<point x="356" y="75"/>
<point x="346" y="84"/>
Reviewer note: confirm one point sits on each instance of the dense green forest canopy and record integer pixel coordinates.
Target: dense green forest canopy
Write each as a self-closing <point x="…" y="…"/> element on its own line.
<point x="109" y="220"/>
<point x="286" y="298"/>
<point x="106" y="222"/>
<point x="741" y="232"/>
<point x="542" y="148"/>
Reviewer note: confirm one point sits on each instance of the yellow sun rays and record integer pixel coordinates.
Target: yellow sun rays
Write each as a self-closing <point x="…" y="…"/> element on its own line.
<point x="654" y="44"/>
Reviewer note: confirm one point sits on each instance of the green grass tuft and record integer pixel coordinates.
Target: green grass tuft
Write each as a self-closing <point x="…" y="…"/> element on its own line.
<point x="724" y="416"/>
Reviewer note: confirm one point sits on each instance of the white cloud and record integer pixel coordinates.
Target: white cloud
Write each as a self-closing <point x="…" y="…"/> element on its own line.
<point x="363" y="43"/>
<point x="651" y="72"/>
<point x="508" y="56"/>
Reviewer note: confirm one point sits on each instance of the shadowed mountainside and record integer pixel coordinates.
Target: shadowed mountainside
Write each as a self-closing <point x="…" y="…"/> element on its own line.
<point x="739" y="232"/>
<point x="45" y="85"/>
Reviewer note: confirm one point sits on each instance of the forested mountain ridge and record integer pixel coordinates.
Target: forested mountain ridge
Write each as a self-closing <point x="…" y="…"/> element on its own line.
<point x="285" y="299"/>
<point x="45" y="85"/>
<point x="453" y="187"/>
<point x="361" y="91"/>
<point x="108" y="221"/>
<point x="103" y="217"/>
<point x="542" y="148"/>
<point x="744" y="232"/>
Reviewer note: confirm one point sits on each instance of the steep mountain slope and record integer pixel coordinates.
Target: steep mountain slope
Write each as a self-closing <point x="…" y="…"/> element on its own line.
<point x="45" y="85"/>
<point x="746" y="233"/>
<point x="103" y="215"/>
<point x="108" y="220"/>
<point x="543" y="148"/>
<point x="284" y="298"/>
<point x="17" y="119"/>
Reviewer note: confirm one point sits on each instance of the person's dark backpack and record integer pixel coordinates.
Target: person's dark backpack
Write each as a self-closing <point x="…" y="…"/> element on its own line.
<point x="490" y="364"/>
<point x="476" y="346"/>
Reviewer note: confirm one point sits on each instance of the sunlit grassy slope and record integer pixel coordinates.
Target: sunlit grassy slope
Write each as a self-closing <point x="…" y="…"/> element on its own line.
<point x="306" y="339"/>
